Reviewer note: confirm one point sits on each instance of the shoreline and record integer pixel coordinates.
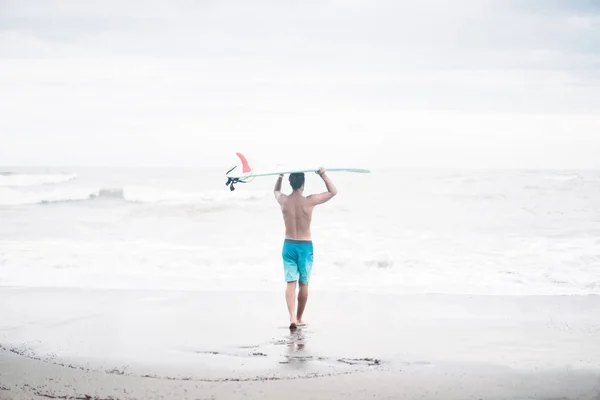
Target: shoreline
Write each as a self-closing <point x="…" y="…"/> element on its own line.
<point x="158" y="344"/>
<point x="23" y="378"/>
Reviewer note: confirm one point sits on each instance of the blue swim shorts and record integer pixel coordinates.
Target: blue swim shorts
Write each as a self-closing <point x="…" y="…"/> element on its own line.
<point x="297" y="260"/>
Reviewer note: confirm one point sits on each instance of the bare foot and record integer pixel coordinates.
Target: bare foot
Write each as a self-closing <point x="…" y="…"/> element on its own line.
<point x="301" y="323"/>
<point x="293" y="326"/>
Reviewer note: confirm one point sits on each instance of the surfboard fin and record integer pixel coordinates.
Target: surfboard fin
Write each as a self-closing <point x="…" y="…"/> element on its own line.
<point x="245" y="164"/>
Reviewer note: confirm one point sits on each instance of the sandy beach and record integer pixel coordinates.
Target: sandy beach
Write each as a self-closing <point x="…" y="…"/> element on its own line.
<point x="137" y="344"/>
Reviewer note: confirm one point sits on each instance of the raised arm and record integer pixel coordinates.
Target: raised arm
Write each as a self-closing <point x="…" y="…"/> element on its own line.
<point x="277" y="190"/>
<point x="321" y="198"/>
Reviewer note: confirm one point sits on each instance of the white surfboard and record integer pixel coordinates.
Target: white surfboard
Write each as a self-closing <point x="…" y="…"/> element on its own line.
<point x="243" y="172"/>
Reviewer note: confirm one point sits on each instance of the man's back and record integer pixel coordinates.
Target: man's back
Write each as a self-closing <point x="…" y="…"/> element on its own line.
<point x="297" y="215"/>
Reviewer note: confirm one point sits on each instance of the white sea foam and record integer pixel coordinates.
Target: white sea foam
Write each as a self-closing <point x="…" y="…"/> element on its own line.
<point x="206" y="266"/>
<point x="148" y="194"/>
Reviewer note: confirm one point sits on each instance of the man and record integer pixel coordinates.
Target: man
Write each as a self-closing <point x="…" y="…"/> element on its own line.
<point x="297" y="247"/>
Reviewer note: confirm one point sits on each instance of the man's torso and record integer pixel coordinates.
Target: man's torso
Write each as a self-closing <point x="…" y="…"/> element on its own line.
<point x="297" y="215"/>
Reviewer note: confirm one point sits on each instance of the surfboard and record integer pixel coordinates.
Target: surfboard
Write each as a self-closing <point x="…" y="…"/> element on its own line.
<point x="241" y="173"/>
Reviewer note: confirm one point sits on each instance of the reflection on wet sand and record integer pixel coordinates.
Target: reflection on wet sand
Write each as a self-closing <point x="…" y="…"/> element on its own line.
<point x="296" y="348"/>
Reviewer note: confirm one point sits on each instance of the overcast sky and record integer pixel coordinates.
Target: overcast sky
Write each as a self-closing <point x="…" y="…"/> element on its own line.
<point x="362" y="83"/>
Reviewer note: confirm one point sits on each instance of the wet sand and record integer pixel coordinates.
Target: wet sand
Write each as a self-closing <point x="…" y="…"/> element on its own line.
<point x="69" y="343"/>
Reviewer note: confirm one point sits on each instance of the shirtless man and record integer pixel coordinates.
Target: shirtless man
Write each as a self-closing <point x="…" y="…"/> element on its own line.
<point x="297" y="248"/>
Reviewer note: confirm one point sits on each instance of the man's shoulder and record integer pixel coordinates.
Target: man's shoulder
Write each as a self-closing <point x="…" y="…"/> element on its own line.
<point x="281" y="197"/>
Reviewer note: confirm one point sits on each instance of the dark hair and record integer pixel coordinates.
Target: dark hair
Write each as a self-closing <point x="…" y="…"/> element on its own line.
<point x="297" y="180"/>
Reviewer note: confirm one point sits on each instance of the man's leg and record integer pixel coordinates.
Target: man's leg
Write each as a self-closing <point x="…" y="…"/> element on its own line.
<point x="290" y="298"/>
<point x="302" y="297"/>
<point x="305" y="264"/>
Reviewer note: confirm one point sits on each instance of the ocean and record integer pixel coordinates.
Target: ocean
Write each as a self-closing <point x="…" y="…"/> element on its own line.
<point x="485" y="232"/>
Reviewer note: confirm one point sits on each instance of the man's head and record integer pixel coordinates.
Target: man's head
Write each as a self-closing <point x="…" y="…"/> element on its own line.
<point x="297" y="180"/>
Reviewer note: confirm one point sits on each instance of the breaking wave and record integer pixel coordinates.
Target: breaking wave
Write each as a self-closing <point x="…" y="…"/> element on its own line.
<point x="8" y="179"/>
<point x="14" y="197"/>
